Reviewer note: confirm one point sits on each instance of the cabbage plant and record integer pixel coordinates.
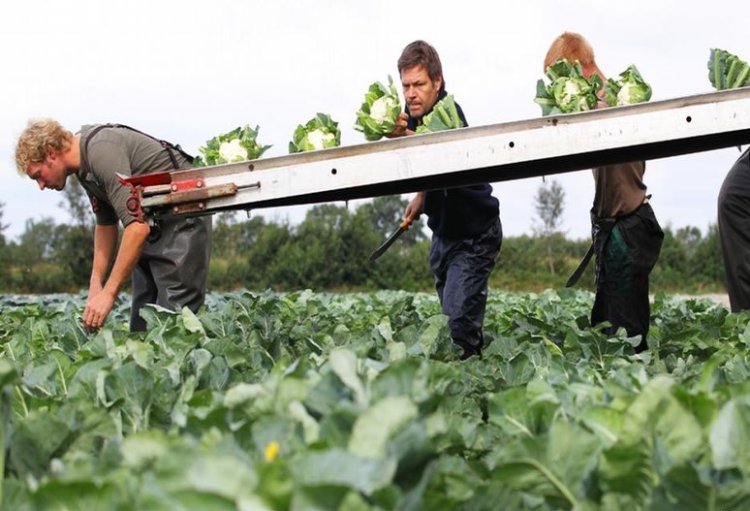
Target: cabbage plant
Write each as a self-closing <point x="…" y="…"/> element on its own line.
<point x="443" y="116"/>
<point x="568" y="89"/>
<point x="240" y="144"/>
<point x="378" y="113"/>
<point x="320" y="132"/>
<point x="630" y="88"/>
<point x="727" y="71"/>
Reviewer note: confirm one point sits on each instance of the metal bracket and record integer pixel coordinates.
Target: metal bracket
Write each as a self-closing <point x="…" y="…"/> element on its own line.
<point x="187" y="184"/>
<point x="133" y="203"/>
<point x="157" y="191"/>
<point x="189" y="199"/>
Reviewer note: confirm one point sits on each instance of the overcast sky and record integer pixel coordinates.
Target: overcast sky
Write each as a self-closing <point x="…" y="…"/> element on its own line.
<point x="188" y="70"/>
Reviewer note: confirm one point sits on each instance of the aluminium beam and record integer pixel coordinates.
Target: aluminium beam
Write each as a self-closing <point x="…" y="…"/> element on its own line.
<point x="492" y="153"/>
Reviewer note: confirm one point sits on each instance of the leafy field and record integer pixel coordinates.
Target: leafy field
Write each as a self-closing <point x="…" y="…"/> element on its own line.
<point x="358" y="402"/>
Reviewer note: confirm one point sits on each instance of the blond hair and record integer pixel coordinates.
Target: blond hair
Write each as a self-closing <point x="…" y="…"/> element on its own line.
<point x="39" y="138"/>
<point x="572" y="47"/>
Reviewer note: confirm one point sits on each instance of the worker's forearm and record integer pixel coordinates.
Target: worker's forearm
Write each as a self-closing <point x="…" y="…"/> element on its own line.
<point x="105" y="241"/>
<point x="133" y="238"/>
<point x="415" y="207"/>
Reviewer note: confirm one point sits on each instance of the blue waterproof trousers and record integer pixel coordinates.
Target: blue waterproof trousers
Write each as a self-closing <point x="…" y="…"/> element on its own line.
<point x="461" y="268"/>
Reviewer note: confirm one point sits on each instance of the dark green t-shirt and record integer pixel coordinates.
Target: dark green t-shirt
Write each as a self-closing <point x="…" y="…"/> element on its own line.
<point x="112" y="151"/>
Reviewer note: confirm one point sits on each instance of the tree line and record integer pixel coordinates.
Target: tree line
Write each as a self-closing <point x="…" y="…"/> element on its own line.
<point x="330" y="249"/>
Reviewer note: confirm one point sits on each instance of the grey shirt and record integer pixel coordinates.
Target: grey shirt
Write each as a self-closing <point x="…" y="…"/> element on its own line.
<point x="114" y="150"/>
<point x="619" y="189"/>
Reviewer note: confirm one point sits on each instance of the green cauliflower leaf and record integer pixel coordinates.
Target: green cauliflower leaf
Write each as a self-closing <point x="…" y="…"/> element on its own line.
<point x="629" y="89"/>
<point x="240" y="144"/>
<point x="443" y="116"/>
<point x="378" y="113"/>
<point x="727" y="71"/>
<point x="568" y="89"/>
<point x="320" y="132"/>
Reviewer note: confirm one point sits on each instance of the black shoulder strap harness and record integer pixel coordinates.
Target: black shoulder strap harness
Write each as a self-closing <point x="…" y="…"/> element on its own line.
<point x="95" y="195"/>
<point x="168" y="146"/>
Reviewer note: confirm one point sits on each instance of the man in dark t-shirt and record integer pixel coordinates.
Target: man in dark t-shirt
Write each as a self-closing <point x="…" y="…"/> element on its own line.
<point x="465" y="221"/>
<point x="169" y="264"/>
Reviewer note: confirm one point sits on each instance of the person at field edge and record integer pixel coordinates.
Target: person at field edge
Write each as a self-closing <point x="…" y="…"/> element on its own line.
<point x="626" y="236"/>
<point x="167" y="262"/>
<point x="465" y="221"/>
<point x="734" y="231"/>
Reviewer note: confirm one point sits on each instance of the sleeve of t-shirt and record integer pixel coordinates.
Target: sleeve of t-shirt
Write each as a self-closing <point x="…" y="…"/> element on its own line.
<point x="104" y="213"/>
<point x="107" y="158"/>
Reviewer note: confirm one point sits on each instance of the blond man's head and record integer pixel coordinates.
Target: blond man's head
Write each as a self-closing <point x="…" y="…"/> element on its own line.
<point x="39" y="138"/>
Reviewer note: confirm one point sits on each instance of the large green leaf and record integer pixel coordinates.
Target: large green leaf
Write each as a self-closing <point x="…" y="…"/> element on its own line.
<point x="452" y="482"/>
<point x="376" y="425"/>
<point x="79" y="496"/>
<point x="657" y="414"/>
<point x="558" y="465"/>
<point x="344" y="364"/>
<point x="520" y="413"/>
<point x="130" y="388"/>
<point x="683" y="489"/>
<point x="627" y="470"/>
<point x="730" y="436"/>
<point x="35" y="440"/>
<point x="336" y="467"/>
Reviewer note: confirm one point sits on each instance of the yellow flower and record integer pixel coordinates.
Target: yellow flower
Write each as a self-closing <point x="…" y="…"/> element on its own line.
<point x="271" y="451"/>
